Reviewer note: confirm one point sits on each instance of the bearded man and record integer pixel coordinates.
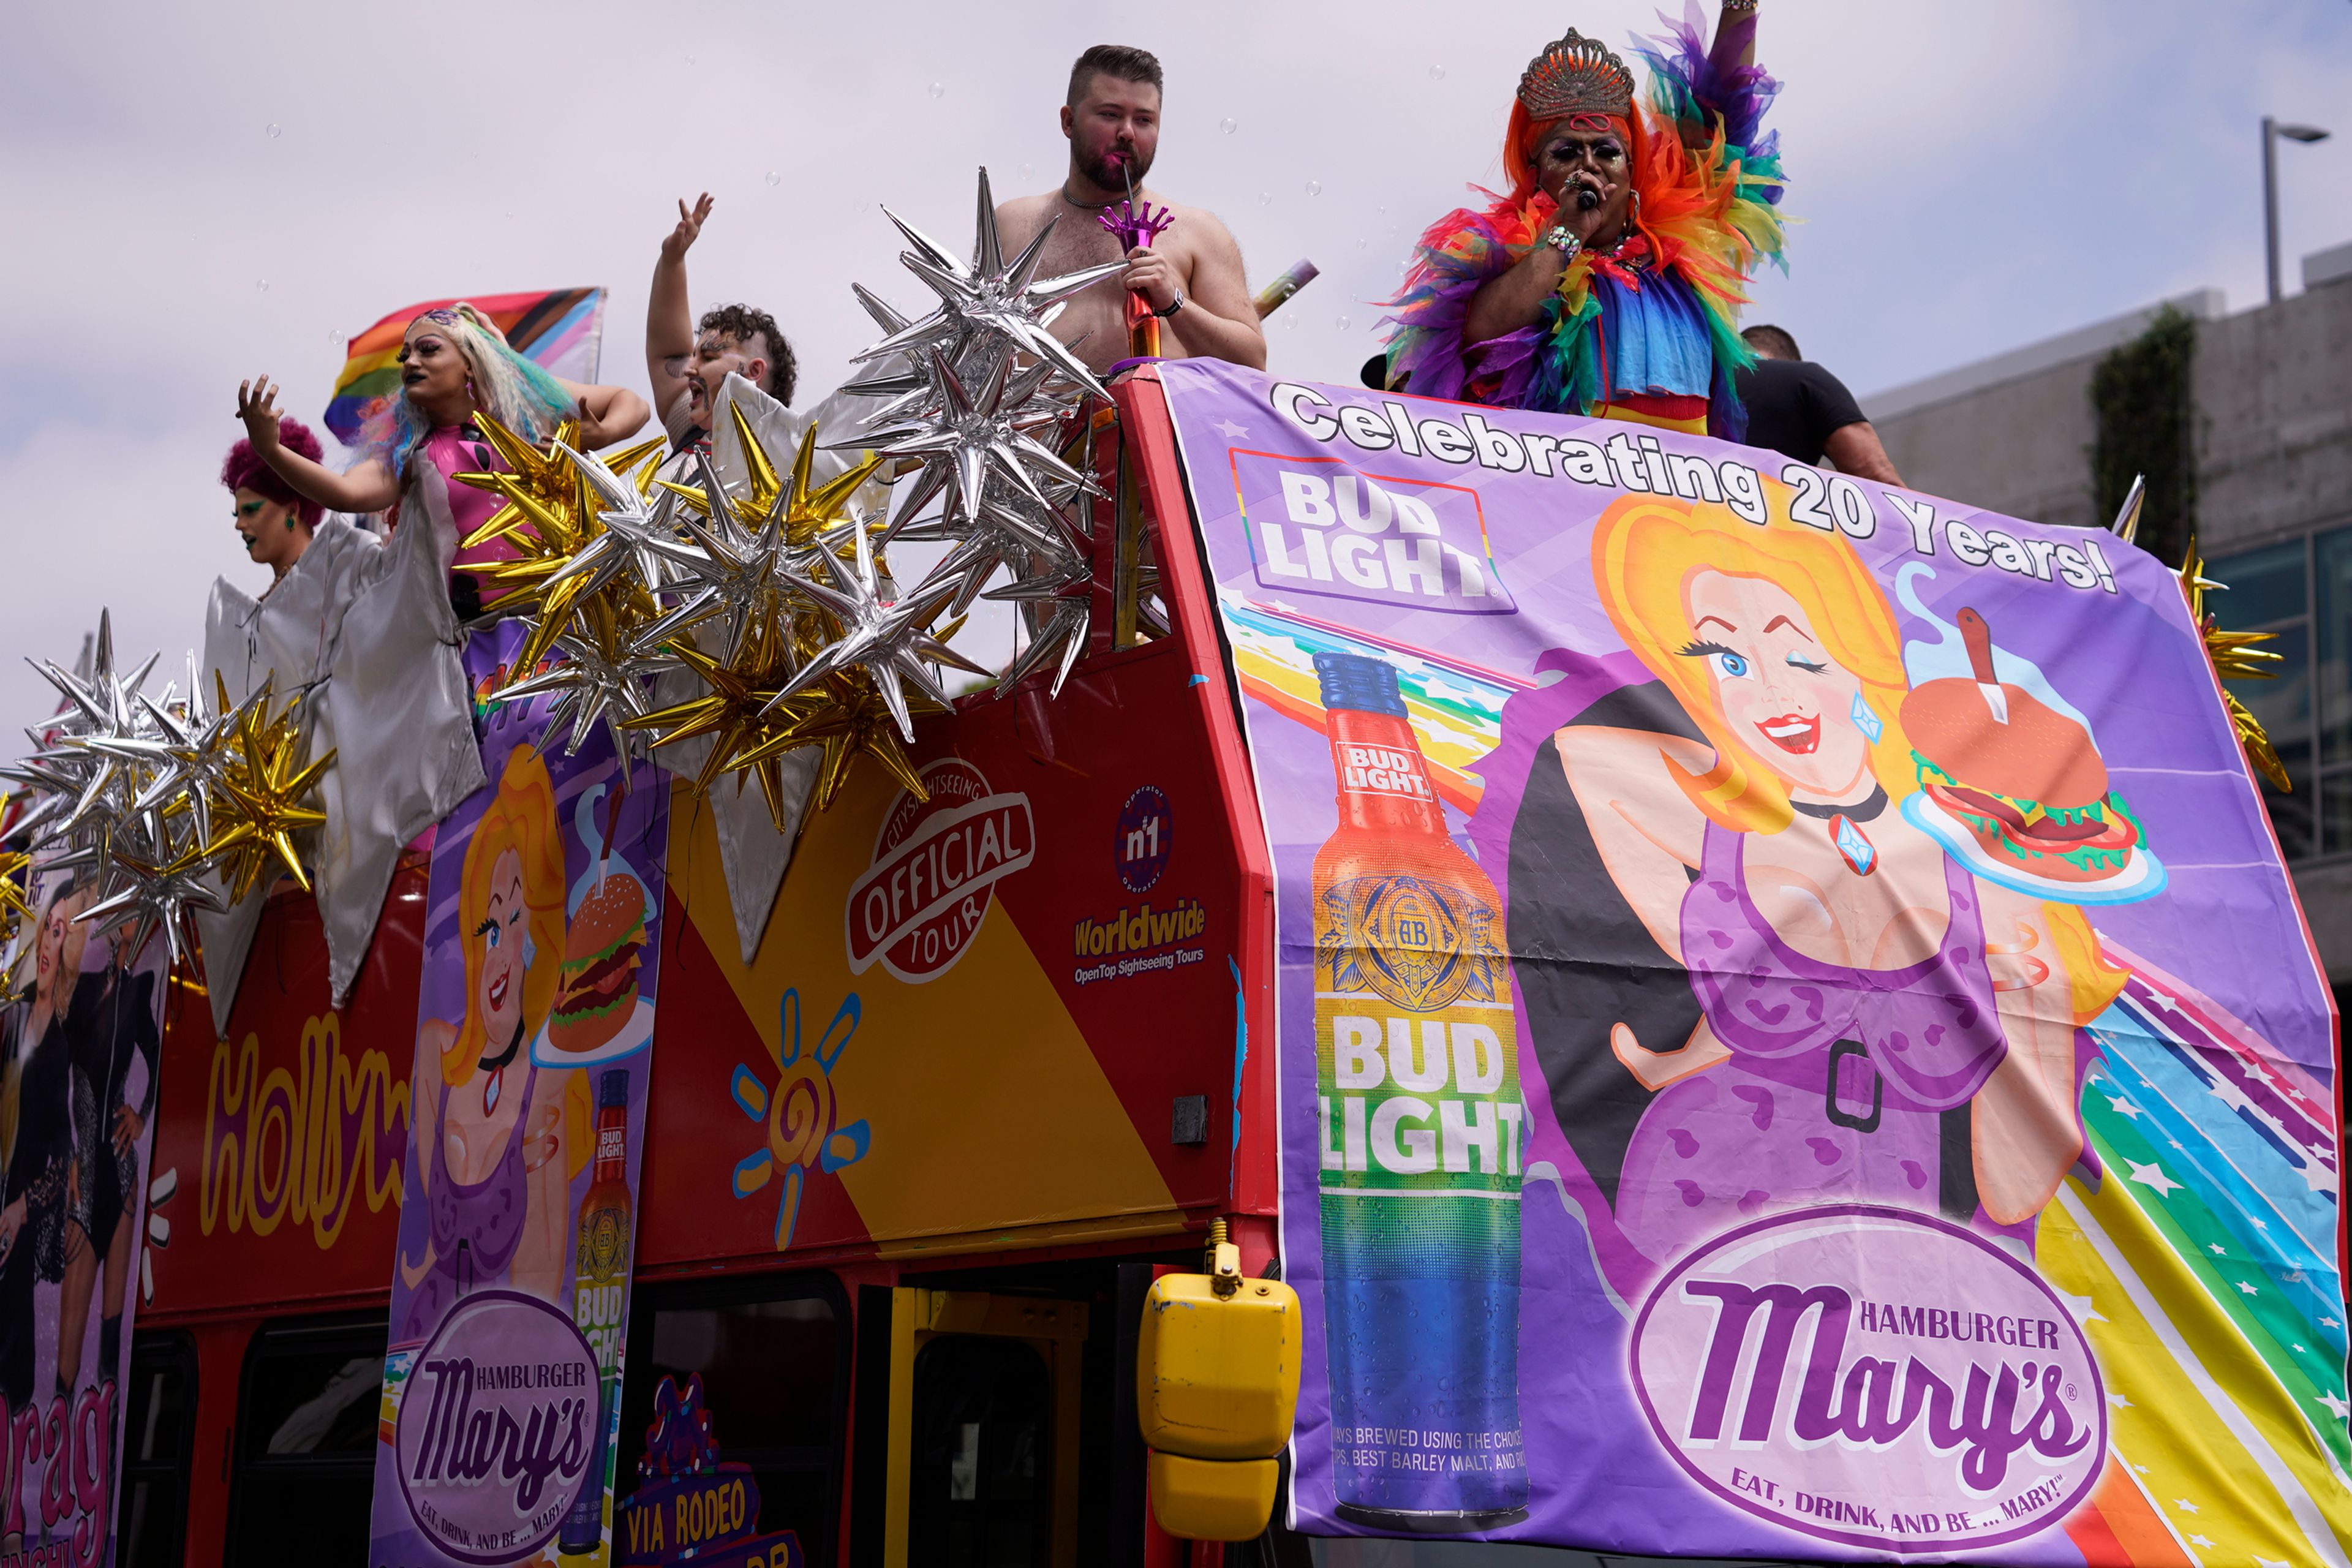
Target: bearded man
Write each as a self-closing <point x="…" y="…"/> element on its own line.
<point x="1608" y="281"/>
<point x="1189" y="277"/>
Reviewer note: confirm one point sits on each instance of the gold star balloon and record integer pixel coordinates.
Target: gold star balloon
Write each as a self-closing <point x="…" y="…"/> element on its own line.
<point x="13" y="911"/>
<point x="2235" y="657"/>
<point x="552" y="514"/>
<point x="259" y="807"/>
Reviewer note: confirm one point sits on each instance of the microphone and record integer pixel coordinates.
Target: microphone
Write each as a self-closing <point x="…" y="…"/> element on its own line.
<point x="1586" y="198"/>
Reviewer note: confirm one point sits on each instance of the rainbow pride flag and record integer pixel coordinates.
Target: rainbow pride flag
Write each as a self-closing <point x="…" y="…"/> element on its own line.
<point x="560" y="329"/>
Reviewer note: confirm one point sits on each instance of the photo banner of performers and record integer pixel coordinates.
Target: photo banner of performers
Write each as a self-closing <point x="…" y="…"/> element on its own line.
<point x="1792" y="971"/>
<point x="509" y="1298"/>
<point x="77" y="1086"/>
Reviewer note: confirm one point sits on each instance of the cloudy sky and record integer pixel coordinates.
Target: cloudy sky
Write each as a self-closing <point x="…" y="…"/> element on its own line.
<point x="196" y="194"/>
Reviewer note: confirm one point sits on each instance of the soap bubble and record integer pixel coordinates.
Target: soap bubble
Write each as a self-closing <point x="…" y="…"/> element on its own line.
<point x="1290" y="320"/>
<point x="1361" y="243"/>
<point x="938" y="89"/>
<point x="1228" y="125"/>
<point x="261" y="285"/>
<point x="273" y="131"/>
<point x="1265" y="198"/>
<point x="689" y="62"/>
<point x="1343" y="323"/>
<point x="337" y="335"/>
<point x="1437" y="73"/>
<point x="1314" y="187"/>
<point x="1028" y="170"/>
<point x="775" y="178"/>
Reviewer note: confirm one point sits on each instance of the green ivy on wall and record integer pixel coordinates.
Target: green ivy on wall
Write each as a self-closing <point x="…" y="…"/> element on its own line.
<point x="2147" y="418"/>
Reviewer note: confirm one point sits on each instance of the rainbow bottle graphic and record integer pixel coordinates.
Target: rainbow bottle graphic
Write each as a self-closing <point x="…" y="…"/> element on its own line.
<point x="1418" y="1109"/>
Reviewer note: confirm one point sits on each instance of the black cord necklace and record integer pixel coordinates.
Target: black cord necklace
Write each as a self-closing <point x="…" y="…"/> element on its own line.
<point x="1865" y="810"/>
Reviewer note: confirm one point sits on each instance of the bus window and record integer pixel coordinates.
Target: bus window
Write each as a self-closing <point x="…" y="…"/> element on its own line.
<point x="979" y="1497"/>
<point x="306" y="1441"/>
<point x="157" y="1425"/>
<point x="775" y="1375"/>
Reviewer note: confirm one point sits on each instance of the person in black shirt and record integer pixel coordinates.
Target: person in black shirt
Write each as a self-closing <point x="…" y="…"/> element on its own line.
<point x="40" y="1187"/>
<point x="1797" y="408"/>
<point x="109" y="1022"/>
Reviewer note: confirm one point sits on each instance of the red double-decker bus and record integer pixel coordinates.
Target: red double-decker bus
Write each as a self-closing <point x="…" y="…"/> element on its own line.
<point x="909" y="1171"/>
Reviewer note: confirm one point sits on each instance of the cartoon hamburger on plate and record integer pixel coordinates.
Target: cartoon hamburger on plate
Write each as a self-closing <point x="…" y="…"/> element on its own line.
<point x="2014" y="789"/>
<point x="598" y="1015"/>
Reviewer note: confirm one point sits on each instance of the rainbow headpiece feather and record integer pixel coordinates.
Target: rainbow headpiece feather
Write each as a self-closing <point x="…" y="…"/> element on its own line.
<point x="1574" y="76"/>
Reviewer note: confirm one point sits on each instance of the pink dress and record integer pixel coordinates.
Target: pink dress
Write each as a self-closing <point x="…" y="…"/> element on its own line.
<point x="460" y="449"/>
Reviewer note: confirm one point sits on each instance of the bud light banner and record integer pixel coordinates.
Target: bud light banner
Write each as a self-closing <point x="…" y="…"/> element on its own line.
<point x="509" y="1297"/>
<point x="1794" y="1038"/>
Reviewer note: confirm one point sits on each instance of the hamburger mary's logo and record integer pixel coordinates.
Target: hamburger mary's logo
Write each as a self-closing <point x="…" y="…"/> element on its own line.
<point x="936" y="862"/>
<point x="1875" y="1377"/>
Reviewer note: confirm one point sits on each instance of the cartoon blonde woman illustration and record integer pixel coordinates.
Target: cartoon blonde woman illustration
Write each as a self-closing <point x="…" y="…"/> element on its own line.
<point x="493" y="1168"/>
<point x="1864" y="1000"/>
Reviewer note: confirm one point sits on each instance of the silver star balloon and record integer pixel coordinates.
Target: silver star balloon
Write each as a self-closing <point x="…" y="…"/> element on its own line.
<point x="604" y="675"/>
<point x="891" y="639"/>
<point x="992" y="298"/>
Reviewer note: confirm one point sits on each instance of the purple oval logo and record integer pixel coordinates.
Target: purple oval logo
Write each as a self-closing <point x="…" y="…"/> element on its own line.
<point x="496" y="1426"/>
<point x="1873" y="1377"/>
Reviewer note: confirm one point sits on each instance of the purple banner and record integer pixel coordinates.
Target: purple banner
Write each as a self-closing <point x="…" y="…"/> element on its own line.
<point x="1794" y="1038"/>
<point x="509" y="1298"/>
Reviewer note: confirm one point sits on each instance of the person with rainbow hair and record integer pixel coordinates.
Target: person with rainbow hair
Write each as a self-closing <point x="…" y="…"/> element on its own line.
<point x="490" y="1124"/>
<point x="1871" y="1023"/>
<point x="1608" y="280"/>
<point x="455" y="366"/>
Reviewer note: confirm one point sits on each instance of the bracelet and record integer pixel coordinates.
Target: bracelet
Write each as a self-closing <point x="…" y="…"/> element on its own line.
<point x="1731" y="5"/>
<point x="1173" y="306"/>
<point x="1559" y="237"/>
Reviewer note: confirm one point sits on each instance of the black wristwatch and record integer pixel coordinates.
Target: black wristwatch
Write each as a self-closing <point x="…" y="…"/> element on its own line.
<point x="1173" y="306"/>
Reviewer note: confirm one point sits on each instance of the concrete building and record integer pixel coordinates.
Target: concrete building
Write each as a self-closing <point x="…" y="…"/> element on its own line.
<point x="2272" y="389"/>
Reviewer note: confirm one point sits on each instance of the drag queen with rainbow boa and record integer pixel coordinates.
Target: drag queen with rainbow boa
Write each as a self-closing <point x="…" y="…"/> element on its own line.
<point x="1608" y="280"/>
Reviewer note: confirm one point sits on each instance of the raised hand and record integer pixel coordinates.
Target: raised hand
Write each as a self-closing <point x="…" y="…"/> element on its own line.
<point x="688" y="229"/>
<point x="256" y="405"/>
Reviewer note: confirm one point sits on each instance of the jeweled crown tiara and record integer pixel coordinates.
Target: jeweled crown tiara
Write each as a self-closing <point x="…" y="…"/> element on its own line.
<point x="1576" y="75"/>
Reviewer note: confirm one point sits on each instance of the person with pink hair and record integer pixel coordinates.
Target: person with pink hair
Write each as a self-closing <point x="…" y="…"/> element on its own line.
<point x="274" y="520"/>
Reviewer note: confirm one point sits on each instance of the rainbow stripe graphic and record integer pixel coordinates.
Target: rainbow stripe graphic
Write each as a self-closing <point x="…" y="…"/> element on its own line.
<point x="560" y="329"/>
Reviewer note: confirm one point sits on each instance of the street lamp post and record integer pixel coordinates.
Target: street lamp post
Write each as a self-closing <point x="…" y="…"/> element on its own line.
<point x="2272" y="131"/>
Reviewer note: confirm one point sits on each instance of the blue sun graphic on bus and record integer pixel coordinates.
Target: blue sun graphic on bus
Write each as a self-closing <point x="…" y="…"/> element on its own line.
<point x="798" y="1113"/>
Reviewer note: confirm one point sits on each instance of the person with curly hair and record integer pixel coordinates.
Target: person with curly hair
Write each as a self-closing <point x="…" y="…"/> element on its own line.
<point x="274" y="521"/>
<point x="686" y="363"/>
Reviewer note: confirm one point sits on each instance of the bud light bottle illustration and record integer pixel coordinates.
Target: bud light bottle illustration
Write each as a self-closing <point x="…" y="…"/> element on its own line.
<point x="600" y="1294"/>
<point x="1418" y="1106"/>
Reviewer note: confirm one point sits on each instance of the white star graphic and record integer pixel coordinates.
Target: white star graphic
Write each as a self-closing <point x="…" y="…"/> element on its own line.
<point x="2329" y="1323"/>
<point x="2298" y="1350"/>
<point x="2152" y="1175"/>
<point x="2318" y="1178"/>
<point x="2141" y="1468"/>
<point x="2247" y="1289"/>
<point x="2272" y="1562"/>
<point x="2335" y="1405"/>
<point x="2119" y="1402"/>
<point x="2081" y="1306"/>
<point x="2167" y="1003"/>
<point x="2175" y="1143"/>
<point x="2123" y="1107"/>
<point x="2185" y="1506"/>
<point x="2198" y="1540"/>
<point x="2219" y="1251"/>
<point x="2261" y="1224"/>
<point x="1232" y="432"/>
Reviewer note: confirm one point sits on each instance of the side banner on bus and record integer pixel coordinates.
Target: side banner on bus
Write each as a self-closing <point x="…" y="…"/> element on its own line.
<point x="78" y="1080"/>
<point x="1794" y="1037"/>
<point x="535" y="1014"/>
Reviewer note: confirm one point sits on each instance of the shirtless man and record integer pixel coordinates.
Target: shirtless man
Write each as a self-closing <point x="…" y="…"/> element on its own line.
<point x="1192" y="274"/>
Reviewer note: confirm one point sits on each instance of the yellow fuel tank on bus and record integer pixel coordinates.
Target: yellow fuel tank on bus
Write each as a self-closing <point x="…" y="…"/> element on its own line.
<point x="1217" y="1376"/>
